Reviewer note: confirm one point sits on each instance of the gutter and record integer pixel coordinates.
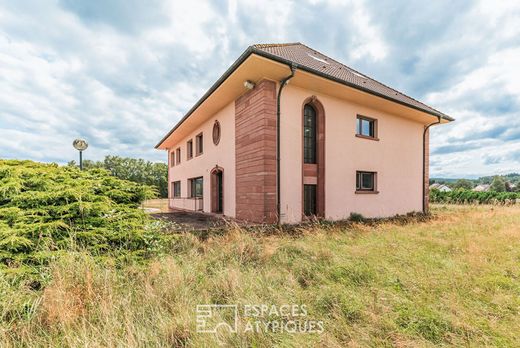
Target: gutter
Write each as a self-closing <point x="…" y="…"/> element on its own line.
<point x="283" y="82"/>
<point x="424" y="210"/>
<point x="250" y="50"/>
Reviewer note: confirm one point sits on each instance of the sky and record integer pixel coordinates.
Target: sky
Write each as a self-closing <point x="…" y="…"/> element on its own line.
<point x="121" y="73"/>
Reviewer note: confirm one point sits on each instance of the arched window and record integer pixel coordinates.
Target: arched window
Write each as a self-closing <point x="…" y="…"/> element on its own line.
<point x="309" y="134"/>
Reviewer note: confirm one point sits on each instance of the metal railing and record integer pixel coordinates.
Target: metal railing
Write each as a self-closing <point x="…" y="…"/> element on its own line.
<point x="187" y="203"/>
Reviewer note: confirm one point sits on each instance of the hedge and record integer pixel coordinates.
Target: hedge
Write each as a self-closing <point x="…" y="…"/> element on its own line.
<point x="462" y="196"/>
<point x="46" y="209"/>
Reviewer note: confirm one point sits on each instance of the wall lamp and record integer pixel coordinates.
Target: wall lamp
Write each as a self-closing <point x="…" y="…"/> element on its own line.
<point x="249" y="84"/>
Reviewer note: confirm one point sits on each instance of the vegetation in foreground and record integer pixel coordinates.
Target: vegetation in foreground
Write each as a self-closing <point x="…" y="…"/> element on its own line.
<point x="453" y="280"/>
<point x="46" y="209"/>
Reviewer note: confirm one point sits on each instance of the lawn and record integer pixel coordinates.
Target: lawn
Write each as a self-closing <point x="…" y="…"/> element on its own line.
<point x="453" y="280"/>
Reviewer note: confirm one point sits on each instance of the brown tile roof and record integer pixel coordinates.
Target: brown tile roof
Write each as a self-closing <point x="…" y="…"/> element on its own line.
<point x="313" y="61"/>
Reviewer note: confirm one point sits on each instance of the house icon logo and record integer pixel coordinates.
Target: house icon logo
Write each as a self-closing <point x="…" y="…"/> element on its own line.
<point x="214" y="318"/>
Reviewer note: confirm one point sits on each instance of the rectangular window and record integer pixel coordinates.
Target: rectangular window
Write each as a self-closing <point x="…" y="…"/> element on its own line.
<point x="189" y="149"/>
<point x="176" y="188"/>
<point x="366" y="127"/>
<point x="309" y="200"/>
<point x="309" y="135"/>
<point x="178" y="155"/>
<point x="172" y="158"/>
<point x="366" y="181"/>
<point x="199" y="144"/>
<point x="196" y="187"/>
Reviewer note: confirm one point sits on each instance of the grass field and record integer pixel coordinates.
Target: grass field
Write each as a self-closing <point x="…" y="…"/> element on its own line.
<point x="452" y="281"/>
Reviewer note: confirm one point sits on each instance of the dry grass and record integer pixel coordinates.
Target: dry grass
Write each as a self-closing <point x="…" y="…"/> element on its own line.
<point x="452" y="281"/>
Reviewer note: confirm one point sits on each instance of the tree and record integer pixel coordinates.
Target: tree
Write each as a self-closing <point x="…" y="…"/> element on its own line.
<point x="463" y="184"/>
<point x="498" y="184"/>
<point x="133" y="169"/>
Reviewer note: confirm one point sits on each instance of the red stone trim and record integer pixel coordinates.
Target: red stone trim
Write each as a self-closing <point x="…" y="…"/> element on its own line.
<point x="315" y="170"/>
<point x="214" y="192"/>
<point x="255" y="154"/>
<point x="366" y="137"/>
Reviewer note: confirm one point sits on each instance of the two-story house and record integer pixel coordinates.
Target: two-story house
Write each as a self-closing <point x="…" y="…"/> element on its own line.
<point x="288" y="133"/>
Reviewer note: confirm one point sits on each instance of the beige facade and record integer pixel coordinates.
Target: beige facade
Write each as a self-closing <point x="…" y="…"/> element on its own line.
<point x="221" y="155"/>
<point x="239" y="174"/>
<point x="396" y="158"/>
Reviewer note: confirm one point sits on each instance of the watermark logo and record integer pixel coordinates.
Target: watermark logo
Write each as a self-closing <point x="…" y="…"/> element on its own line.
<point x="211" y="318"/>
<point x="293" y="319"/>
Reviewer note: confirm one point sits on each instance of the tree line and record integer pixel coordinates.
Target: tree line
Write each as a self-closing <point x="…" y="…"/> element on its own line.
<point x="133" y="169"/>
<point x="498" y="183"/>
<point x="462" y="196"/>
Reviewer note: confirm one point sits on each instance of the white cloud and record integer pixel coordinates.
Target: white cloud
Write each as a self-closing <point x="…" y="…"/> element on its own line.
<point x="122" y="76"/>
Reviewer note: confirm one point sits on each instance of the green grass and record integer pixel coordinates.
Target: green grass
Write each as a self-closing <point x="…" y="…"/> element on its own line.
<point x="450" y="281"/>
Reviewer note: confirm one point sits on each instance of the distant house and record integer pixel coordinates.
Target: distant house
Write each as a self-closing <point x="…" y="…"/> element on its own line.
<point x="482" y="188"/>
<point x="440" y="187"/>
<point x="331" y="142"/>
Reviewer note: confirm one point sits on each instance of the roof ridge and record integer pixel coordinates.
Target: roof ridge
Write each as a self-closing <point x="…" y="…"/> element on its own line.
<point x="370" y="78"/>
<point x="268" y="45"/>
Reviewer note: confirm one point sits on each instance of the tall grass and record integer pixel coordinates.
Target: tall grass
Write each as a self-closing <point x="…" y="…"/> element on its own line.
<point x="453" y="280"/>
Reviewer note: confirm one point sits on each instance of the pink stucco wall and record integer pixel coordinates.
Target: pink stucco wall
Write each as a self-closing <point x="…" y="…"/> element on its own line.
<point x="222" y="155"/>
<point x="396" y="157"/>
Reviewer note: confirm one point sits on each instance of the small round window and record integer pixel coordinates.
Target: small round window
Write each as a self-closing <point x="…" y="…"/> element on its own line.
<point x="216" y="133"/>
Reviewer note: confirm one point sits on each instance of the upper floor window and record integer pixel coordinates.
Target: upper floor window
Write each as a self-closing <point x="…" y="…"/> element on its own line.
<point x="172" y="158"/>
<point x="309" y="134"/>
<point x="189" y="149"/>
<point x="366" y="182"/>
<point x="178" y="155"/>
<point x="199" y="144"/>
<point x="366" y="127"/>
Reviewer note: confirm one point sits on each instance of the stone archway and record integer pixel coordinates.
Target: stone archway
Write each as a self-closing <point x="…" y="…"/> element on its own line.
<point x="217" y="190"/>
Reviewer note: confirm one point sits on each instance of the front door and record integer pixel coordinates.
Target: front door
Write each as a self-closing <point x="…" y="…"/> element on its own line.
<point x="220" y="193"/>
<point x="217" y="191"/>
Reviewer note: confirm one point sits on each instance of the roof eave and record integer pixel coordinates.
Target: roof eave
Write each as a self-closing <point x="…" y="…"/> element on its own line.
<point x="332" y="78"/>
<point x="250" y="50"/>
<point x="212" y="89"/>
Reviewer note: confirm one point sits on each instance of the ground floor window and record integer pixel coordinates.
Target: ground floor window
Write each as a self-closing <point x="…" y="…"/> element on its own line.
<point x="176" y="188"/>
<point x="309" y="200"/>
<point x="195" y="185"/>
<point x="366" y="181"/>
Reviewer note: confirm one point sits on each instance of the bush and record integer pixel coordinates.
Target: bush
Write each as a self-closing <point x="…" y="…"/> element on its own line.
<point x="356" y="217"/>
<point x="45" y="208"/>
<point x="461" y="196"/>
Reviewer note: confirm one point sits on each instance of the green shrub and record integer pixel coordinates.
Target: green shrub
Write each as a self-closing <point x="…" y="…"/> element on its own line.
<point x="45" y="208"/>
<point x="462" y="196"/>
<point x="356" y="217"/>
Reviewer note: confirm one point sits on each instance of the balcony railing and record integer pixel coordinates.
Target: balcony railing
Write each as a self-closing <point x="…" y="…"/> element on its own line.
<point x="187" y="203"/>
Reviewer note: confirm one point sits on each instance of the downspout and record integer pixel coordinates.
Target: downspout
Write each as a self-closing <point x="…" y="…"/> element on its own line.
<point x="424" y="164"/>
<point x="283" y="82"/>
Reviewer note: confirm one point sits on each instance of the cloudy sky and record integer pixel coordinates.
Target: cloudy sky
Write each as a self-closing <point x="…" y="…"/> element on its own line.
<point x="120" y="73"/>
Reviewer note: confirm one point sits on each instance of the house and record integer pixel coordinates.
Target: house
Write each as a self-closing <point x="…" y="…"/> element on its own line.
<point x="440" y="187"/>
<point x="482" y="188"/>
<point x="288" y="133"/>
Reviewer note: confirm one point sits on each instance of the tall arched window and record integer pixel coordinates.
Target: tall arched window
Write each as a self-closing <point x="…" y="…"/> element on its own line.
<point x="309" y="134"/>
